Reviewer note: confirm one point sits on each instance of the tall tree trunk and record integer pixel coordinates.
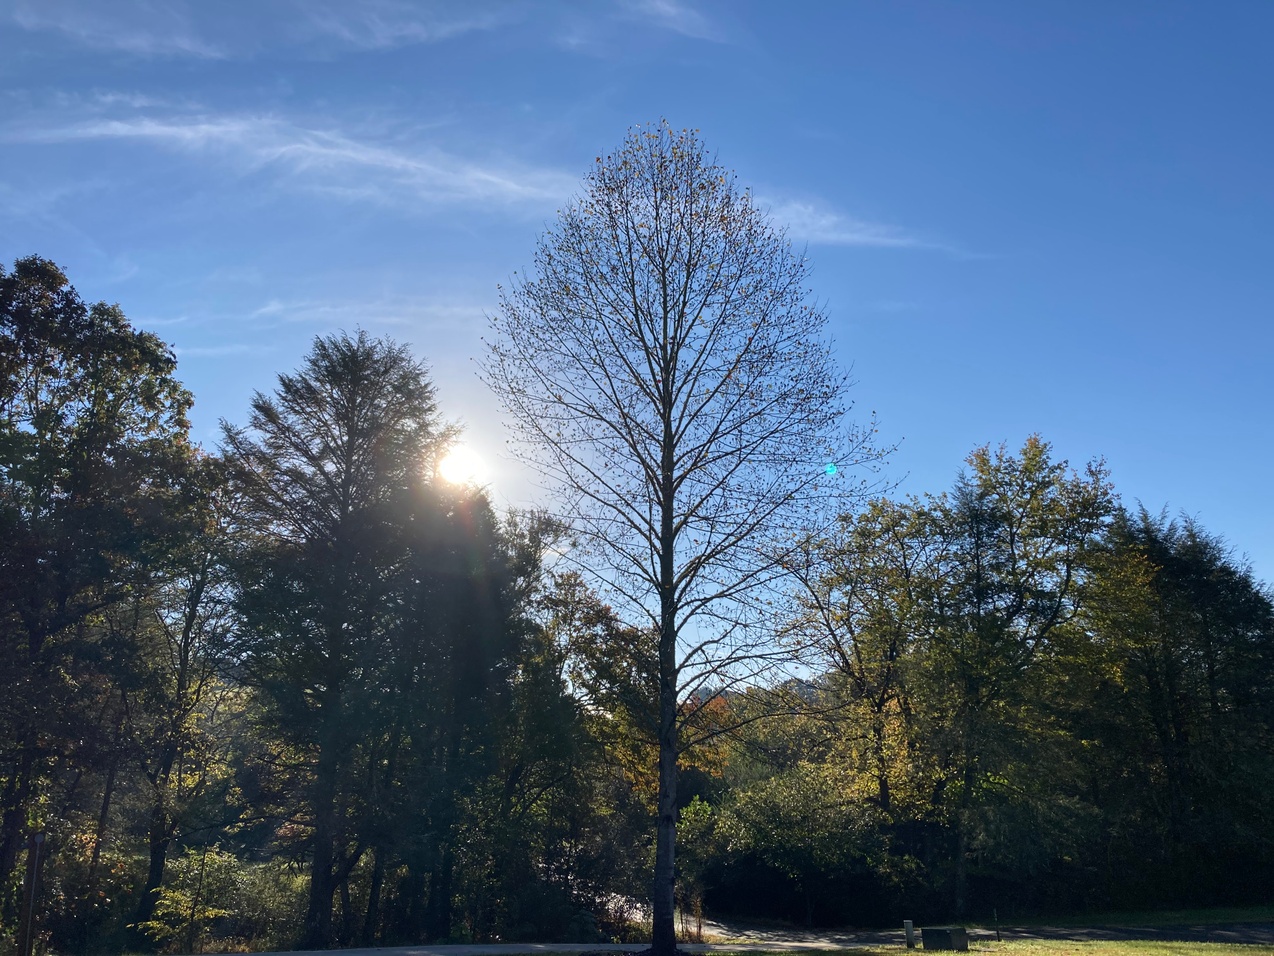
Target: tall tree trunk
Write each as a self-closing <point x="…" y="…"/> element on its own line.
<point x="161" y="829"/>
<point x="21" y="786"/>
<point x="372" y="917"/>
<point x="103" y="817"/>
<point x="439" y="911"/>
<point x="16" y="796"/>
<point x="662" y="894"/>
<point x="882" y="763"/>
<point x="31" y="893"/>
<point x="318" y="914"/>
<point x="159" y="834"/>
<point x="347" y="916"/>
<point x="664" y="929"/>
<point x="960" y="900"/>
<point x="963" y="812"/>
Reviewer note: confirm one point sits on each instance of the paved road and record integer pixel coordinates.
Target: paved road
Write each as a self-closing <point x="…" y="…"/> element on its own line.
<point x="763" y="940"/>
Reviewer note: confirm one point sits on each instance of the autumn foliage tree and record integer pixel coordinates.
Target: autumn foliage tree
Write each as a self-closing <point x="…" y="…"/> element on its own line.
<point x="666" y="371"/>
<point x="948" y="621"/>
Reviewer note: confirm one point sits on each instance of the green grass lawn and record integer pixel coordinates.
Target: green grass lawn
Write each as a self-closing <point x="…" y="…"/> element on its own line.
<point x="1056" y="948"/>
<point x="1119" y="948"/>
<point x="1210" y="917"/>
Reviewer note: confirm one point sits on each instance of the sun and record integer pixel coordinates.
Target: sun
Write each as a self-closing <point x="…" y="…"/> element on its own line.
<point x="463" y="466"/>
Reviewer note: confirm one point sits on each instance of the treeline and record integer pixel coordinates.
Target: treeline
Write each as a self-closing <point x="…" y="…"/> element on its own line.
<point x="300" y="692"/>
<point x="1030" y="701"/>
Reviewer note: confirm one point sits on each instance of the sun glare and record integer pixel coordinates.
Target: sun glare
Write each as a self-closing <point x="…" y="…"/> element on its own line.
<point x="463" y="466"/>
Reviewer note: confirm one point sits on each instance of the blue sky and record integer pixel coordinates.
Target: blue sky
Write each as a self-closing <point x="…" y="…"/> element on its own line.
<point x="1043" y="217"/>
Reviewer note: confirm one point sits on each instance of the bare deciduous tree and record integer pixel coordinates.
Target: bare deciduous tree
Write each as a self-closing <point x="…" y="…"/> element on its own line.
<point x="667" y="373"/>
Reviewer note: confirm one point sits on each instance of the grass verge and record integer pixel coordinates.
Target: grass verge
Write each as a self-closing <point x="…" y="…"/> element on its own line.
<point x="1032" y="947"/>
<point x="1209" y="917"/>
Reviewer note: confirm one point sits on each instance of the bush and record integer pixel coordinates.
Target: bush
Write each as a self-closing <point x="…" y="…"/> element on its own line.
<point x="211" y="897"/>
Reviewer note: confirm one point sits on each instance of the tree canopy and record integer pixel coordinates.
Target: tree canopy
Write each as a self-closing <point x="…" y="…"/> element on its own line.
<point x="94" y="483"/>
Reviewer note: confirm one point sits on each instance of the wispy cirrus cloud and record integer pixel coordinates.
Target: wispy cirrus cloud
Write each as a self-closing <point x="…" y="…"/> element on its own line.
<point x="606" y="31"/>
<point x="384" y="24"/>
<point x="143" y="29"/>
<point x="327" y="161"/>
<point x="180" y="28"/>
<point x="221" y="351"/>
<point x="384" y="311"/>
<point x="677" y="16"/>
<point x="820" y="226"/>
